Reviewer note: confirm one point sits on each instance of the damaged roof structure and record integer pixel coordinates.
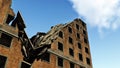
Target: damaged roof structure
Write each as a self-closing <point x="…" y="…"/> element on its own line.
<point x="53" y="36"/>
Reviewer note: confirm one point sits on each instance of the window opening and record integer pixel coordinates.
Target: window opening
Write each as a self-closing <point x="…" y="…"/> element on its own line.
<point x="60" y="46"/>
<point x="80" y="57"/>
<point x="77" y="26"/>
<point x="71" y="52"/>
<point x="88" y="61"/>
<point x="79" y="46"/>
<point x="70" y="29"/>
<point x="5" y="40"/>
<point x="78" y="35"/>
<point x="84" y="32"/>
<point x="72" y="65"/>
<point x="2" y="61"/>
<point x="60" y="62"/>
<point x="85" y="40"/>
<point x="86" y="50"/>
<point x="70" y="40"/>
<point x="61" y="34"/>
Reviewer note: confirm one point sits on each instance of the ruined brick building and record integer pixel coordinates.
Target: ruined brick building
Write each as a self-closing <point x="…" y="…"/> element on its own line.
<point x="64" y="46"/>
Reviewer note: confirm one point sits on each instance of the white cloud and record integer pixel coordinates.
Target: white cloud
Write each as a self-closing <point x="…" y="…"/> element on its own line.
<point x="104" y="14"/>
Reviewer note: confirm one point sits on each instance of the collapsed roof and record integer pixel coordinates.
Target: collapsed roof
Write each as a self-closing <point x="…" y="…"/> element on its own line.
<point x="52" y="34"/>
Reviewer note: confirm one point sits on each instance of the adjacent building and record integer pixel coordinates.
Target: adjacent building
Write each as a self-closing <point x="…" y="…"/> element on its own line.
<point x="10" y="46"/>
<point x="69" y="47"/>
<point x="68" y="44"/>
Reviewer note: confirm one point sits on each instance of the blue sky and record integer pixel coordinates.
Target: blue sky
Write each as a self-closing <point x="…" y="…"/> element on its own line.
<point x="102" y="18"/>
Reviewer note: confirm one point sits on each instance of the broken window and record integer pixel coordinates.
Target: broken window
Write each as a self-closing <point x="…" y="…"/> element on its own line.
<point x="72" y="65"/>
<point x="78" y="35"/>
<point x="25" y="65"/>
<point x="80" y="57"/>
<point x="60" y="62"/>
<point x="86" y="50"/>
<point x="70" y="29"/>
<point x="9" y="19"/>
<point x="47" y="57"/>
<point x="79" y="46"/>
<point x="60" y="46"/>
<point x="77" y="26"/>
<point x="88" y="61"/>
<point x="5" y="40"/>
<point x="2" y="61"/>
<point x="70" y="40"/>
<point x="71" y="52"/>
<point x="61" y="34"/>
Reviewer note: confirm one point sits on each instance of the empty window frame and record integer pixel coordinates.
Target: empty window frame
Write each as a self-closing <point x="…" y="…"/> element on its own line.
<point x="72" y="65"/>
<point x="71" y="52"/>
<point x="9" y="19"/>
<point x="70" y="40"/>
<point x="79" y="46"/>
<point x="70" y="29"/>
<point x="60" y="62"/>
<point x="47" y="57"/>
<point x="88" y="61"/>
<point x="84" y="32"/>
<point x="60" y="46"/>
<point x="5" y="40"/>
<point x="78" y="35"/>
<point x="85" y="40"/>
<point x="86" y="50"/>
<point x="77" y="26"/>
<point x="61" y="34"/>
<point x="80" y="57"/>
<point x="2" y="61"/>
<point x="25" y="65"/>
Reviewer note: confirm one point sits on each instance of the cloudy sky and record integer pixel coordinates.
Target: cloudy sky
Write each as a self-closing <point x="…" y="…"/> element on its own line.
<point x="101" y="16"/>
